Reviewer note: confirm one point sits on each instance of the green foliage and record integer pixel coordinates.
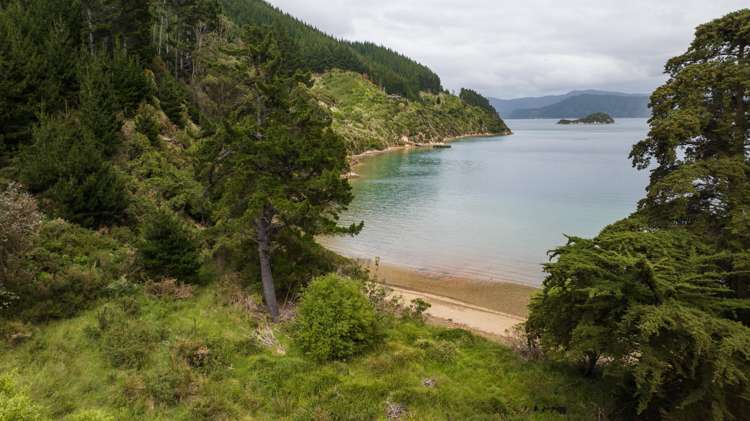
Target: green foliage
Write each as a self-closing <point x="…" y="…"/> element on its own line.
<point x="275" y="165"/>
<point x="169" y="248"/>
<point x="147" y="123"/>
<point x="66" y="371"/>
<point x="336" y="320"/>
<point x="127" y="342"/>
<point x="661" y="297"/>
<point x="99" y="105"/>
<point x="15" y="406"/>
<point x="595" y="118"/>
<point x="314" y="51"/>
<point x="368" y="118"/>
<point x="38" y="61"/>
<point x="66" y="166"/>
<point x="90" y="415"/>
<point x="476" y="99"/>
<point x="131" y="83"/>
<point x="71" y="268"/>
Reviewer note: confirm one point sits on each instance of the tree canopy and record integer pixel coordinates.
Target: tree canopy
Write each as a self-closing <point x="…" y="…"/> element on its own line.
<point x="659" y="301"/>
<point x="275" y="164"/>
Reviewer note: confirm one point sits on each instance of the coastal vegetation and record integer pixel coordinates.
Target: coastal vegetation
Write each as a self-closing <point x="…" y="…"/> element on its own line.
<point x="370" y="119"/>
<point x="595" y="118"/>
<point x="659" y="301"/>
<point x="165" y="168"/>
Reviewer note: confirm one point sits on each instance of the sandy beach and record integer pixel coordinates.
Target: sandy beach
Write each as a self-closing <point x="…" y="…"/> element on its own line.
<point x="488" y="308"/>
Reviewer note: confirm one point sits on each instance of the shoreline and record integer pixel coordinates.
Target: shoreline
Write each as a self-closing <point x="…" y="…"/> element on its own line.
<point x="357" y="159"/>
<point x="488" y="309"/>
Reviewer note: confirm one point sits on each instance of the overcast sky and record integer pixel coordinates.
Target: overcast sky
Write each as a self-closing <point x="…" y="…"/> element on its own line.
<point x="512" y="48"/>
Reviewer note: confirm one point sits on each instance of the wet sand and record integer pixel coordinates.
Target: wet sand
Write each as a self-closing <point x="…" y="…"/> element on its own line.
<point x="453" y="313"/>
<point x="501" y="297"/>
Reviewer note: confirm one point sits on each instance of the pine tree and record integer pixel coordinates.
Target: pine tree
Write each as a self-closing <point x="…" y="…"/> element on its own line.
<point x="276" y="164"/>
<point x="168" y="248"/>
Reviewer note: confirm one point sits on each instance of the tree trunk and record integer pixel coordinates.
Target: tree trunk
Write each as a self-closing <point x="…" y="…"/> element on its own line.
<point x="590" y="363"/>
<point x="263" y="232"/>
<point x="740" y="115"/>
<point x="91" y="31"/>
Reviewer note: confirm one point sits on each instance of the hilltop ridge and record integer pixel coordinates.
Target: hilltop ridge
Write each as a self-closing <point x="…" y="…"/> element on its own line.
<point x="579" y="102"/>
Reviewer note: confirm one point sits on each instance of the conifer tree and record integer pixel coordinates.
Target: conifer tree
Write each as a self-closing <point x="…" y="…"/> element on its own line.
<point x="660" y="300"/>
<point x="276" y="164"/>
<point x="169" y="248"/>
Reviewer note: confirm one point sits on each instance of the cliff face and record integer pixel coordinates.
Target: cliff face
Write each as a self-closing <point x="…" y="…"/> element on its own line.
<point x="371" y="119"/>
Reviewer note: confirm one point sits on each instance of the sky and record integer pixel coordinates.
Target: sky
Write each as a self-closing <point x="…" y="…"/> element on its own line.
<point x="514" y="48"/>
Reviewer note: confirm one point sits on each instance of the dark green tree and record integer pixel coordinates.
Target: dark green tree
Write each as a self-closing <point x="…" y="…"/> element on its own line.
<point x="169" y="248"/>
<point x="66" y="166"/>
<point x="276" y="165"/>
<point x="659" y="301"/>
<point x="38" y="62"/>
<point x="99" y="104"/>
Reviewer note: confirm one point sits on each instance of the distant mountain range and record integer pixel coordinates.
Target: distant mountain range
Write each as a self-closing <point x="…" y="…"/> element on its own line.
<point x="575" y="104"/>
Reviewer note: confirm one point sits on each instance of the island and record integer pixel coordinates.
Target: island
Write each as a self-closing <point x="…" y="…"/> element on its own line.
<point x="596" y="118"/>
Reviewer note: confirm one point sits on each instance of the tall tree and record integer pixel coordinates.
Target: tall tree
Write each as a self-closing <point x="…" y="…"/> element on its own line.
<point x="660" y="300"/>
<point x="276" y="164"/>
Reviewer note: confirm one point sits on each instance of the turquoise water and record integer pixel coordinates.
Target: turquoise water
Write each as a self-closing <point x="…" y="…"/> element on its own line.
<point x="491" y="208"/>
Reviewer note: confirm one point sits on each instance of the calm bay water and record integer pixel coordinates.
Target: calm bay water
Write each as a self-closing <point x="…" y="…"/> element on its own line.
<point x="491" y="208"/>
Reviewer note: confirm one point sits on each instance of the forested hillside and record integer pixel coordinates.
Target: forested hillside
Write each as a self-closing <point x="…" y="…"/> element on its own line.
<point x="318" y="52"/>
<point x="164" y="172"/>
<point x="368" y="118"/>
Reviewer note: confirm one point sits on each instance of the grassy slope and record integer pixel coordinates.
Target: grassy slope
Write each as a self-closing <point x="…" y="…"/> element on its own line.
<point x="64" y="368"/>
<point x="370" y="119"/>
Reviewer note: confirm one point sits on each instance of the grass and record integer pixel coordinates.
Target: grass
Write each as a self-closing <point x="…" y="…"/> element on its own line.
<point x="204" y="364"/>
<point x="371" y="119"/>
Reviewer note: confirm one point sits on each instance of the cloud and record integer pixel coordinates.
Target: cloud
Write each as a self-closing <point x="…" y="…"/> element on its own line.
<point x="507" y="48"/>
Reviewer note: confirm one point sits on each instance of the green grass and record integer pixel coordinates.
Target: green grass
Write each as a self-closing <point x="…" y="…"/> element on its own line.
<point x="370" y="119"/>
<point x="65" y="368"/>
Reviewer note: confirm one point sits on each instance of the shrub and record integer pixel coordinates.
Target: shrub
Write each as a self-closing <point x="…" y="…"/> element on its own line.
<point x="169" y="288"/>
<point x="126" y="342"/>
<point x="336" y="320"/>
<point x="147" y="123"/>
<point x="90" y="415"/>
<point x="19" y="225"/>
<point x="172" y="385"/>
<point x="168" y="248"/>
<point x="72" y="267"/>
<point x="15" y="406"/>
<point x="204" y="355"/>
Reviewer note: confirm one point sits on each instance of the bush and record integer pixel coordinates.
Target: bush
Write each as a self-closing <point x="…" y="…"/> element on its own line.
<point x="71" y="268"/>
<point x="147" y="123"/>
<point x="19" y="225"/>
<point x="336" y="320"/>
<point x="15" y="406"/>
<point x="126" y="342"/>
<point x="169" y="249"/>
<point x="90" y="415"/>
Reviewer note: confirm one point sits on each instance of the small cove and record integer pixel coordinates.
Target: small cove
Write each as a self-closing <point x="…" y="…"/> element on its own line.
<point x="490" y="208"/>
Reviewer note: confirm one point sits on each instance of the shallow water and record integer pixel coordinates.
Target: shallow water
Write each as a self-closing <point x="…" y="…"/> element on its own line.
<point x="491" y="208"/>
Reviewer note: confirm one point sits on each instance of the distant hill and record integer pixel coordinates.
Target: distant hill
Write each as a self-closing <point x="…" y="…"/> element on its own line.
<point x="574" y="104"/>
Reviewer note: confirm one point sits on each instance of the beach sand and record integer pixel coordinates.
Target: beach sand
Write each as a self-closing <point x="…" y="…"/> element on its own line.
<point x="488" y="308"/>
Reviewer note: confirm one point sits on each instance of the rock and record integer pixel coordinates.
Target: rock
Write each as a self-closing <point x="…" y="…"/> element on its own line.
<point x="394" y="411"/>
<point x="430" y="383"/>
